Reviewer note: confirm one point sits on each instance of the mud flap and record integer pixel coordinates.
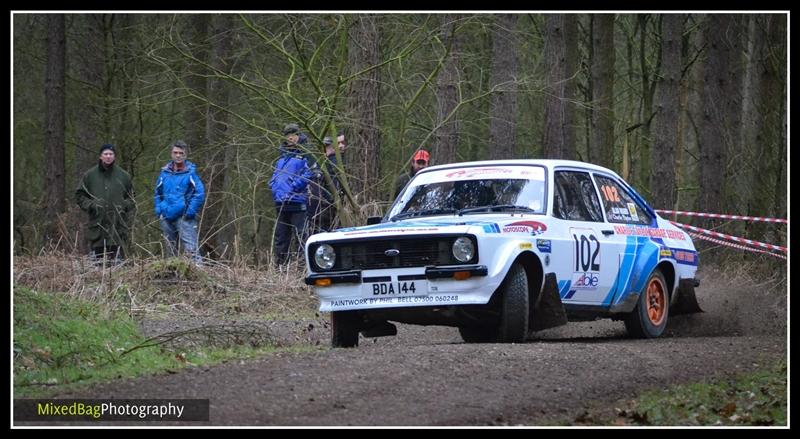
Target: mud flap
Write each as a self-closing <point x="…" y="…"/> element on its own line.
<point x="687" y="301"/>
<point x="549" y="311"/>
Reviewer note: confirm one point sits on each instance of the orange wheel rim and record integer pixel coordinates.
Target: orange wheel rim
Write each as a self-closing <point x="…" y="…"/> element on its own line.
<point x="656" y="302"/>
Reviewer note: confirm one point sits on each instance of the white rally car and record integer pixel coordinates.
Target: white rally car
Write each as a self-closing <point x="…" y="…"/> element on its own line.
<point x="503" y="248"/>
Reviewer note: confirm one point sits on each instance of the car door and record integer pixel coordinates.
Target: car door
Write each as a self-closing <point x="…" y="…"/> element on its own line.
<point x="625" y="216"/>
<point x="588" y="251"/>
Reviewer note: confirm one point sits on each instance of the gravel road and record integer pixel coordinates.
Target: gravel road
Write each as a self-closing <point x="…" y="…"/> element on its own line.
<point x="427" y="376"/>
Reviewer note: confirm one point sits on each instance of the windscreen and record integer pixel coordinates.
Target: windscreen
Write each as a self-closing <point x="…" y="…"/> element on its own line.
<point x="461" y="189"/>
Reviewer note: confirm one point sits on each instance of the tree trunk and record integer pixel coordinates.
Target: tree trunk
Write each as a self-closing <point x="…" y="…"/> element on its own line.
<point x="560" y="55"/>
<point x="90" y="71"/>
<point x="196" y="110"/>
<point x="682" y="157"/>
<point x="503" y="112"/>
<point x="363" y="154"/>
<point x="750" y="114"/>
<point x="667" y="107"/>
<point x="770" y="181"/>
<point x="734" y="41"/>
<point x="54" y="189"/>
<point x="444" y="151"/>
<point x="601" y="144"/>
<point x="712" y="129"/>
<point x="216" y="228"/>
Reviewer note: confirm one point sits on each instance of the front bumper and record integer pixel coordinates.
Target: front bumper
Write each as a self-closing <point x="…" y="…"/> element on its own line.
<point x="355" y="276"/>
<point x="434" y="286"/>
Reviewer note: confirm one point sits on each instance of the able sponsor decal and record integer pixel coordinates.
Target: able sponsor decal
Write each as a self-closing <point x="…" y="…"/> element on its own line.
<point x="525" y="246"/>
<point x="652" y="232"/>
<point x="585" y="281"/>
<point x="532" y="227"/>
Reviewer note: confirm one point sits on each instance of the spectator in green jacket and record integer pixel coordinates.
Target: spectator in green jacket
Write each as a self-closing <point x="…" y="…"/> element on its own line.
<point x="106" y="194"/>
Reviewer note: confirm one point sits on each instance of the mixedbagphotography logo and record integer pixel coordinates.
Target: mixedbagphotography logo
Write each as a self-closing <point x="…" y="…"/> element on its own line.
<point x="59" y="410"/>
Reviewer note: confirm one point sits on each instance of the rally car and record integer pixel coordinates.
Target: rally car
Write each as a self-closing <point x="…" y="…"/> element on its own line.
<point x="500" y="249"/>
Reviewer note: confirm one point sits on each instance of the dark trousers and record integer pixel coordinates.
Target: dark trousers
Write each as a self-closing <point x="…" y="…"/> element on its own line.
<point x="321" y="214"/>
<point x="289" y="225"/>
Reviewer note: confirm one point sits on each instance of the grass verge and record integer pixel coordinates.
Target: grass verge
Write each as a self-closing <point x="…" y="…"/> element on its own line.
<point x="62" y="342"/>
<point x="753" y="399"/>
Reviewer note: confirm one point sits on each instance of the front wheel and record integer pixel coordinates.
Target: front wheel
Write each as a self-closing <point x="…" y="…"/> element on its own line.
<point x="344" y="329"/>
<point x="514" y="312"/>
<point x="649" y="318"/>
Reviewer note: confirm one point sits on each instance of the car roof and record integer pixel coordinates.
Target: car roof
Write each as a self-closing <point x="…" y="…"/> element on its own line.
<point x="548" y="163"/>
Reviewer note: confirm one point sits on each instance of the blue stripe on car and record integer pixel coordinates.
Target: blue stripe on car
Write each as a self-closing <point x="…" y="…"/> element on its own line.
<point x="563" y="287"/>
<point x="643" y="263"/>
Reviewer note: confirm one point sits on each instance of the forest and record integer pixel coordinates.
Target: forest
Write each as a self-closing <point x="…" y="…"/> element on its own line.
<point x="690" y="108"/>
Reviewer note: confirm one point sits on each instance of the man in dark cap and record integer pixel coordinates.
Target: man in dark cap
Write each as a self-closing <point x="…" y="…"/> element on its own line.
<point x="289" y="185"/>
<point x="106" y="194"/>
<point x="321" y="206"/>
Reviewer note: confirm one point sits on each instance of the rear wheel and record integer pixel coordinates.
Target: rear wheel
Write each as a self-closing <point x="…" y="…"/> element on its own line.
<point x="344" y="329"/>
<point x="514" y="309"/>
<point x="650" y="316"/>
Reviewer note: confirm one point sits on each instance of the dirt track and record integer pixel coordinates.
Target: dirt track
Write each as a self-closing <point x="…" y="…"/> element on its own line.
<point x="427" y="376"/>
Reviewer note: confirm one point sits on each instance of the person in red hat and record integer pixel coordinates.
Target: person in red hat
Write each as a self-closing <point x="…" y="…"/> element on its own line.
<point x="420" y="160"/>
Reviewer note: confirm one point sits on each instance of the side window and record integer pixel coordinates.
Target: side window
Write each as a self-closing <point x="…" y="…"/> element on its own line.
<point x="619" y="205"/>
<point x="575" y="198"/>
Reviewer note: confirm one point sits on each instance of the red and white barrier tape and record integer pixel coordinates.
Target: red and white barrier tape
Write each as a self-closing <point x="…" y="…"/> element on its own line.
<point x="737" y="246"/>
<point x="731" y="237"/>
<point x="725" y="216"/>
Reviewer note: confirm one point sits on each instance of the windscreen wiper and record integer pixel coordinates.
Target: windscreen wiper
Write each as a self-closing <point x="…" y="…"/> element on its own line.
<point x="424" y="212"/>
<point x="495" y="208"/>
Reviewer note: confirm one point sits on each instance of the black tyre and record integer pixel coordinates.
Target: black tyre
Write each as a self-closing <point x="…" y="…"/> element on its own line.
<point x="472" y="334"/>
<point x="650" y="316"/>
<point x="514" y="309"/>
<point x="344" y="329"/>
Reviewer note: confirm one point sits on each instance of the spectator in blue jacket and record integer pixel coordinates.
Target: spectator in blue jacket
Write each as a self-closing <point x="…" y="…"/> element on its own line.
<point x="179" y="198"/>
<point x="289" y="186"/>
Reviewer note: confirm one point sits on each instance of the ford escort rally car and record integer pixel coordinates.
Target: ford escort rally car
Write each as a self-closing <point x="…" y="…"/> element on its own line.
<point x="501" y="249"/>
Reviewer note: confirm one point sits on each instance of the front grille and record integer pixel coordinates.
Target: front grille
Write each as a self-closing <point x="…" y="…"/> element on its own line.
<point x="413" y="252"/>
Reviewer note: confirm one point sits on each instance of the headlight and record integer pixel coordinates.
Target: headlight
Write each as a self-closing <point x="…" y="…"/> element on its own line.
<point x="325" y="257"/>
<point x="463" y="250"/>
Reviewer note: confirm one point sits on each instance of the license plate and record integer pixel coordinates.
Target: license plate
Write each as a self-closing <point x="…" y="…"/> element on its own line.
<point x="395" y="289"/>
